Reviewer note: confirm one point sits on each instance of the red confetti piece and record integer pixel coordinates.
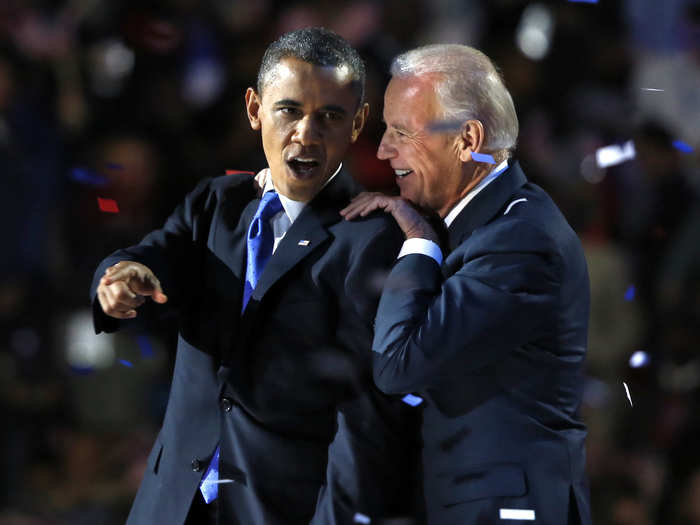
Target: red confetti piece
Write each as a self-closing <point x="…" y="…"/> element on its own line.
<point x="108" y="205"/>
<point x="237" y="172"/>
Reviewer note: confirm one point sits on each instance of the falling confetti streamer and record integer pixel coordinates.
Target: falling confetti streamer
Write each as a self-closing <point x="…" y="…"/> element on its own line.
<point x="412" y="400"/>
<point x="108" y="205"/>
<point x="237" y="172"/>
<point x="651" y="89"/>
<point x="361" y="518"/>
<point x="517" y="514"/>
<point x="583" y="1"/>
<point x="627" y="390"/>
<point x="126" y="363"/>
<point x="85" y="176"/>
<point x="483" y="157"/>
<point x="217" y="481"/>
<point x="629" y="293"/>
<point x="445" y="126"/>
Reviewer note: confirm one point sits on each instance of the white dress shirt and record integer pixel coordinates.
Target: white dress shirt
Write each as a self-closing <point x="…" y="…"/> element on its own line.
<point x="429" y="248"/>
<point x="282" y="221"/>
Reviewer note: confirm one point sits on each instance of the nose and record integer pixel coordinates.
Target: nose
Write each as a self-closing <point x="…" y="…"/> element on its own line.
<point x="306" y="132"/>
<point x="386" y="150"/>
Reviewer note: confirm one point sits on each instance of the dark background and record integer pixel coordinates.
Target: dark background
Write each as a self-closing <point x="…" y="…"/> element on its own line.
<point x="136" y="101"/>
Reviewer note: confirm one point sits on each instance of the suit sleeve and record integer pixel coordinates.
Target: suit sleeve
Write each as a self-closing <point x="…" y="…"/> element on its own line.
<point x="504" y="291"/>
<point x="170" y="252"/>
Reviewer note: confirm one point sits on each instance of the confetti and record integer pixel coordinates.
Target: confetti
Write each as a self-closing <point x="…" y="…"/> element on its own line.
<point x="583" y="2"/>
<point x="145" y="345"/>
<point x="108" y="205"/>
<point x="217" y="481"/>
<point x="639" y="359"/>
<point x="615" y="154"/>
<point x="412" y="400"/>
<point x="361" y="518"/>
<point x="85" y="176"/>
<point x="651" y="89"/>
<point x="517" y="514"/>
<point x="114" y="166"/>
<point x="682" y="146"/>
<point x="237" y="172"/>
<point x="445" y="126"/>
<point x="629" y="293"/>
<point x="483" y="157"/>
<point x="628" y="393"/>
<point x="126" y="363"/>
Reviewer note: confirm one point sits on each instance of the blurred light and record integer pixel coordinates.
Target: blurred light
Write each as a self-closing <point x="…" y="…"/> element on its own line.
<point x="682" y="146"/>
<point x="412" y="400"/>
<point x="118" y="59"/>
<point x="111" y="62"/>
<point x="84" y="349"/>
<point x="595" y="392"/>
<point x="590" y="170"/>
<point x="639" y="359"/>
<point x="361" y="518"/>
<point x="627" y="390"/>
<point x="204" y="81"/>
<point x="615" y="154"/>
<point x="534" y="33"/>
<point x="629" y="293"/>
<point x="114" y="166"/>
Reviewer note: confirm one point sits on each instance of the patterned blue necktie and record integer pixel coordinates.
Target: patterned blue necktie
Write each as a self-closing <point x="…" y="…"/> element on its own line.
<point x="260" y="242"/>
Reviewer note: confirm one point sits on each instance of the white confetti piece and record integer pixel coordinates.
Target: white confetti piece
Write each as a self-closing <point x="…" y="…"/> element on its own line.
<point x="651" y="89"/>
<point x="361" y="518"/>
<point x="412" y="400"/>
<point x="628" y="393"/>
<point x="517" y="514"/>
<point x="217" y="481"/>
<point x="615" y="154"/>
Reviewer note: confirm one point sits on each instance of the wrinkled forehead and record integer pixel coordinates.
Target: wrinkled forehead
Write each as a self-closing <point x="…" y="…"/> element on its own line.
<point x="411" y="95"/>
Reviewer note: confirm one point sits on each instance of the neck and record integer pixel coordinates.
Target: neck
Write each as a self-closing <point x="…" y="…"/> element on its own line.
<point x="469" y="182"/>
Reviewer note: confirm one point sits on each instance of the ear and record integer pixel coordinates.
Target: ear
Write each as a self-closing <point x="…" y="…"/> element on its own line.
<point x="252" y="104"/>
<point x="359" y="122"/>
<point x="471" y="139"/>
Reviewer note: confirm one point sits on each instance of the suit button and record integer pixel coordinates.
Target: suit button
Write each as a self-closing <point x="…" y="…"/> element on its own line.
<point x="226" y="404"/>
<point x="196" y="465"/>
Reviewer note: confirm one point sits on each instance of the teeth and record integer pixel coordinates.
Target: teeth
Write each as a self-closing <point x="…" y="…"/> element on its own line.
<point x="402" y="173"/>
<point x="298" y="159"/>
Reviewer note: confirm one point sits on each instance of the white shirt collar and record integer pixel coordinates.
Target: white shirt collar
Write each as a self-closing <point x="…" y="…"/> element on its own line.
<point x="476" y="189"/>
<point x="291" y="207"/>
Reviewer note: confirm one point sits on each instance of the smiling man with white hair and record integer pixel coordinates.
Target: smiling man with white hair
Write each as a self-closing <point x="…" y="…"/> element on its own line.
<point x="493" y="338"/>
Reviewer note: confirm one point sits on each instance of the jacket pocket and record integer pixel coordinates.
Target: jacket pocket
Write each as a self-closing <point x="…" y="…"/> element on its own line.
<point x="504" y="480"/>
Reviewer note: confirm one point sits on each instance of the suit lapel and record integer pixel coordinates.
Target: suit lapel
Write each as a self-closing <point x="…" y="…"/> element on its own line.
<point x="486" y="204"/>
<point x="307" y="233"/>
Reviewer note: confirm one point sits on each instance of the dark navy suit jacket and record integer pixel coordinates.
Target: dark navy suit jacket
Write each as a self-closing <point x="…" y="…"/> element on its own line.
<point x="271" y="386"/>
<point x="494" y="341"/>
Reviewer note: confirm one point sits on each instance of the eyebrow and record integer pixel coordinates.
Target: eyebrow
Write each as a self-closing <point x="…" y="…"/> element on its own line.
<point x="296" y="104"/>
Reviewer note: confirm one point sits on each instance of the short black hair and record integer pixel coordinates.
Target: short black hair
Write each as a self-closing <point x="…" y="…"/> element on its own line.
<point x="317" y="46"/>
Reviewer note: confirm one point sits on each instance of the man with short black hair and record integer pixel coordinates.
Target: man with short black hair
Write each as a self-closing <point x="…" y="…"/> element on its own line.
<point x="275" y="295"/>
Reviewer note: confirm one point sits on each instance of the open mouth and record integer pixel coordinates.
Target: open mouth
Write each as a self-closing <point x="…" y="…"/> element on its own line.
<point x="303" y="167"/>
<point x="402" y="173"/>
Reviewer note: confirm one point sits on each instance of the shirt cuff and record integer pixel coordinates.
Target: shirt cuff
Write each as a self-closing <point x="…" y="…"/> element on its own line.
<point x="421" y="246"/>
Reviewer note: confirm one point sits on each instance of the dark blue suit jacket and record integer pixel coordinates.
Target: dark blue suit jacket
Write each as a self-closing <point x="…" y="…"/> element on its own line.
<point x="271" y="386"/>
<point x="494" y="341"/>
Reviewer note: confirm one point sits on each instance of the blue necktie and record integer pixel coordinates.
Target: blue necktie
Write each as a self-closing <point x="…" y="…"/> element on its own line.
<point x="260" y="242"/>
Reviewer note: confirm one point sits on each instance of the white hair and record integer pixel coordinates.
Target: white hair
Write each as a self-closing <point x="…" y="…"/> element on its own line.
<point x="470" y="87"/>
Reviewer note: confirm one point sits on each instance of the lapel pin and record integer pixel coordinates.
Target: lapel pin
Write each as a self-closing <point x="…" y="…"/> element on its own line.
<point x="304" y="243"/>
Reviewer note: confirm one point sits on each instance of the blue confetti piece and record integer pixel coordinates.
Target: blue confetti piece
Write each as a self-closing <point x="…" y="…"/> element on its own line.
<point x="361" y="518"/>
<point x="126" y="363"/>
<point x="483" y="157"/>
<point x="629" y="294"/>
<point x="412" y="400"/>
<point x="85" y="176"/>
<point x="145" y="344"/>
<point x="682" y="146"/>
<point x="584" y="1"/>
<point x="114" y="166"/>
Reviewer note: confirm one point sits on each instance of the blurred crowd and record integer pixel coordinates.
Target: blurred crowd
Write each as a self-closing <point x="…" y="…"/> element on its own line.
<point x="135" y="101"/>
